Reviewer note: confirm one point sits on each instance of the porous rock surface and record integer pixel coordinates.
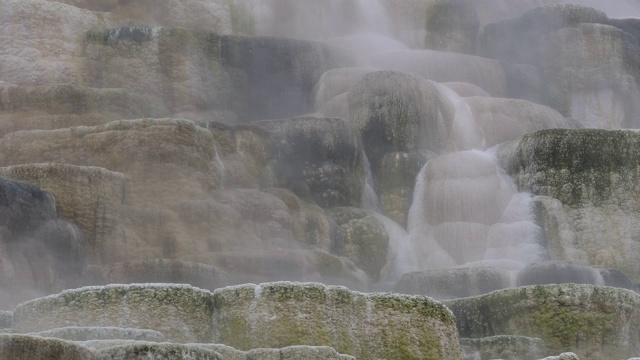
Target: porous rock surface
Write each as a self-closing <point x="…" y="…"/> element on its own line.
<point x="587" y="178"/>
<point x="90" y="197"/>
<point x="367" y="326"/>
<point x="602" y="322"/>
<point x="453" y="283"/>
<point x="79" y="333"/>
<point x="181" y="312"/>
<point x="18" y="347"/>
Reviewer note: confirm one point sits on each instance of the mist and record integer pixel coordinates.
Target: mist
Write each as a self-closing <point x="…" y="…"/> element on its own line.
<point x="439" y="147"/>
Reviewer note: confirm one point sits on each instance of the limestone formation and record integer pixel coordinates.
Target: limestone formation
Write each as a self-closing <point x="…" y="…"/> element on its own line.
<point x="595" y="85"/>
<point x="320" y="159"/>
<point x="591" y="175"/>
<point x="282" y="314"/>
<point x="50" y="52"/>
<point x="76" y="333"/>
<point x="18" y="347"/>
<point x="90" y="197"/>
<point x="47" y="107"/>
<point x="602" y="322"/>
<point x="454" y="283"/>
<point x="364" y="240"/>
<point x="396" y="112"/>
<point x="181" y="312"/>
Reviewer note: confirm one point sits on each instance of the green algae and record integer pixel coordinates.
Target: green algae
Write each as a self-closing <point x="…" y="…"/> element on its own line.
<point x="594" y="322"/>
<point x="368" y="326"/>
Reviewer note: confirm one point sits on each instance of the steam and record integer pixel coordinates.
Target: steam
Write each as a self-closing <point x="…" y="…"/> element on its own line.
<point x="464" y="210"/>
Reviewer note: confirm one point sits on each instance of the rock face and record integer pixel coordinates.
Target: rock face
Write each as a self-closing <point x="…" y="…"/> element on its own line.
<point x="590" y="176"/>
<point x="364" y="239"/>
<point x="16" y="347"/>
<point x="76" y="333"/>
<point x="394" y="112"/>
<point x="599" y="321"/>
<point x="352" y="323"/>
<point x="40" y="252"/>
<point x="328" y="320"/>
<point x="320" y="159"/>
<point x="90" y="197"/>
<point x="594" y="84"/>
<point x="454" y="283"/>
<point x="157" y="307"/>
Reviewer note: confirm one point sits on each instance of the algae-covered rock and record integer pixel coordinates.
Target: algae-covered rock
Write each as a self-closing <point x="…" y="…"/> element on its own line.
<point x="181" y="312"/>
<point x="162" y="351"/>
<point x="20" y="347"/>
<point x="78" y="333"/>
<point x="319" y="159"/>
<point x="396" y="179"/>
<point x="453" y="283"/>
<point x="396" y="112"/>
<point x="367" y="326"/>
<point x="592" y="174"/>
<point x="364" y="239"/>
<point x="503" y="347"/>
<point x="88" y="196"/>
<point x="602" y="322"/>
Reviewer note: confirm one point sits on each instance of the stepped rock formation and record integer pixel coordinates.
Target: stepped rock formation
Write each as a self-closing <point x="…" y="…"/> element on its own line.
<point x="270" y="315"/>
<point x="448" y="148"/>
<point x="588" y="178"/>
<point x="594" y="322"/>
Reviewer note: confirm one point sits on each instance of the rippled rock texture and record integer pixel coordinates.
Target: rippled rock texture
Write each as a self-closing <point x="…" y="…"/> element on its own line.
<point x="329" y="320"/>
<point x="594" y="322"/>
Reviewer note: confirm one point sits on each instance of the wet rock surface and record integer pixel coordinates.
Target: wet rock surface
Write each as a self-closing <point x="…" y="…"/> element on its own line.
<point x="566" y="317"/>
<point x="222" y="142"/>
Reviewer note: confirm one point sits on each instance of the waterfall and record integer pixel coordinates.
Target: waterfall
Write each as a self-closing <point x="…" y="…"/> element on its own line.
<point x="467" y="212"/>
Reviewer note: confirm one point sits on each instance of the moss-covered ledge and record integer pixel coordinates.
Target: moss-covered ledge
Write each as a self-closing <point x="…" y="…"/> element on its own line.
<point x="181" y="312"/>
<point x="574" y="165"/>
<point x="592" y="321"/>
<point x="18" y="347"/>
<point x="367" y="326"/>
